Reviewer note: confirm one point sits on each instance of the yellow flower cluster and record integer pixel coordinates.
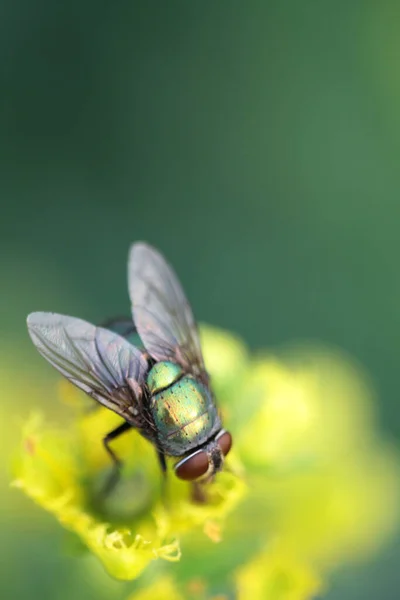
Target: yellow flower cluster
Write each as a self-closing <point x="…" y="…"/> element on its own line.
<point x="309" y="484"/>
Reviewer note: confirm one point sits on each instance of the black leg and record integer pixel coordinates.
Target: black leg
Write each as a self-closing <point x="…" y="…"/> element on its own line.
<point x="115" y="474"/>
<point x="163" y="465"/>
<point x="124" y="323"/>
<point x="162" y="461"/>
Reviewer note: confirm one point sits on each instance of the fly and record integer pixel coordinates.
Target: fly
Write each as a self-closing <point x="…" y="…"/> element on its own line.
<point x="162" y="391"/>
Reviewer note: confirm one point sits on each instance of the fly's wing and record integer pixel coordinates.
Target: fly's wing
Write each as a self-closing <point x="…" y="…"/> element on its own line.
<point x="99" y="362"/>
<point x="161" y="312"/>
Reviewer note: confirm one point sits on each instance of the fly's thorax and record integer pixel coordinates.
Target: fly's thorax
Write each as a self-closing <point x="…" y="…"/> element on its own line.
<point x="183" y="411"/>
<point x="162" y="375"/>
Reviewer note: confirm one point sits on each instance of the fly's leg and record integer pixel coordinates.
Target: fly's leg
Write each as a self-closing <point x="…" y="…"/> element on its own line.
<point x="116" y="471"/>
<point x="125" y="324"/>
<point x="127" y="328"/>
<point x="163" y="465"/>
<point x="163" y="462"/>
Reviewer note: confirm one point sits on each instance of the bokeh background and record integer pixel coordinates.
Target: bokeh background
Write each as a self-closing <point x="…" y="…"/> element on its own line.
<point x="257" y="144"/>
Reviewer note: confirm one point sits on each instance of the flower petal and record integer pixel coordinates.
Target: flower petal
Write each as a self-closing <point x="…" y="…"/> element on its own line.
<point x="163" y="588"/>
<point x="48" y="470"/>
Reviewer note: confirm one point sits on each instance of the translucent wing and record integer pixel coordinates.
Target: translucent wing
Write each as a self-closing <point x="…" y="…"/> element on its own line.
<point x="97" y="361"/>
<point x="160" y="310"/>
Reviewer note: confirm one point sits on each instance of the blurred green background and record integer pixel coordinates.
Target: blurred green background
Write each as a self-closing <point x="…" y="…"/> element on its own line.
<point x="257" y="144"/>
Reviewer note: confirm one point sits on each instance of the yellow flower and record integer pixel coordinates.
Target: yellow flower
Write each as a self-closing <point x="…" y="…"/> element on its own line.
<point x="163" y="589"/>
<point x="332" y="485"/>
<point x="64" y="470"/>
<point x="276" y="575"/>
<point x="52" y="470"/>
<point x="271" y="574"/>
<point x="309" y="484"/>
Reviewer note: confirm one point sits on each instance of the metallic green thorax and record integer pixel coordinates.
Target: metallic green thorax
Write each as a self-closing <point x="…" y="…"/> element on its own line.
<point x="182" y="407"/>
<point x="162" y="375"/>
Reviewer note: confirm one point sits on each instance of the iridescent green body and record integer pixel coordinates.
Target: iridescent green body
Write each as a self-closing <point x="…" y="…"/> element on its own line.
<point x="182" y="407"/>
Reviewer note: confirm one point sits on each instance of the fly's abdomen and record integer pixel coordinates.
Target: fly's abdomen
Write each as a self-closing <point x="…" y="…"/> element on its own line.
<point x="184" y="414"/>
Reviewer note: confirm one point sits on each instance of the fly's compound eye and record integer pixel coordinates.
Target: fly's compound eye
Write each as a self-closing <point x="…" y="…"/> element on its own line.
<point x="224" y="440"/>
<point x="196" y="465"/>
<point x="193" y="466"/>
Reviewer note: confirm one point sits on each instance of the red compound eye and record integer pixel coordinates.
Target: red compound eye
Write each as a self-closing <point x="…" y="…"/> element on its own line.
<point x="225" y="442"/>
<point x="196" y="465"/>
<point x="192" y="467"/>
